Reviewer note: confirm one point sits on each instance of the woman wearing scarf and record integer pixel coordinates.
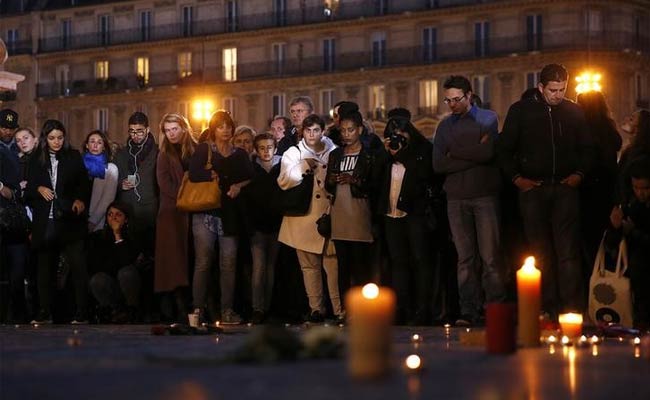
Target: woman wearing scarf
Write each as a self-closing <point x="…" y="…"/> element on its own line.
<point x="103" y="174"/>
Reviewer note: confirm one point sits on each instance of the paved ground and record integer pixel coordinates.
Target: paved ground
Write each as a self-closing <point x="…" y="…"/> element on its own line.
<point x="127" y="362"/>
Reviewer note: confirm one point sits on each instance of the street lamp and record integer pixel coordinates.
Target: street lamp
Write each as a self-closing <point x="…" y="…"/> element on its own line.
<point x="202" y="110"/>
<point x="588" y="81"/>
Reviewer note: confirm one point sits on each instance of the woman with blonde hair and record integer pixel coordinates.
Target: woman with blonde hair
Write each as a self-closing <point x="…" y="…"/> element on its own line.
<point x="172" y="225"/>
<point x="228" y="223"/>
<point x="243" y="138"/>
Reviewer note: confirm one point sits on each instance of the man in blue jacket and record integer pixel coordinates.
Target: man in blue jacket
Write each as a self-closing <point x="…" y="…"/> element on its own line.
<point x="464" y="150"/>
<point x="545" y="150"/>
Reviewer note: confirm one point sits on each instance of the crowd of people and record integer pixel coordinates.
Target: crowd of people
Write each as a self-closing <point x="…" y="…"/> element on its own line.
<point x="98" y="235"/>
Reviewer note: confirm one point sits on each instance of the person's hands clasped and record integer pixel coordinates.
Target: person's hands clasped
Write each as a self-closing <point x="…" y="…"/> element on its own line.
<point x="47" y="193"/>
<point x="345" y="179"/>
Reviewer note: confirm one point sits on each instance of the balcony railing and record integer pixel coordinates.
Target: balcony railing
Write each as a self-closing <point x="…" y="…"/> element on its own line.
<point x="247" y="22"/>
<point x="19" y="47"/>
<point x="345" y="62"/>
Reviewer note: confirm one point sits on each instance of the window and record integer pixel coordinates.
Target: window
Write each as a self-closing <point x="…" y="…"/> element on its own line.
<point x="184" y="109"/>
<point x="381" y="7"/>
<point x="62" y="78"/>
<point x="231" y="16"/>
<point x="63" y="117"/>
<point x="638" y="86"/>
<point x="101" y="69"/>
<point x="229" y="104"/>
<point x="185" y="64"/>
<point x="532" y="79"/>
<point x="142" y="70"/>
<point x="429" y="97"/>
<point x="141" y="107"/>
<point x="481" y="39"/>
<point x="594" y="21"/>
<point x="104" y="30"/>
<point x="432" y="4"/>
<point x="101" y="119"/>
<point x="326" y="101"/>
<point x="279" y="51"/>
<point x="377" y="101"/>
<point x="329" y="54"/>
<point x="280" y="8"/>
<point x="145" y="25"/>
<point x="378" y="49"/>
<point x="481" y="86"/>
<point x="12" y="39"/>
<point x="230" y="64"/>
<point x="429" y="44"/>
<point x="66" y="33"/>
<point x="187" y="20"/>
<point x="278" y="104"/>
<point x="534" y="32"/>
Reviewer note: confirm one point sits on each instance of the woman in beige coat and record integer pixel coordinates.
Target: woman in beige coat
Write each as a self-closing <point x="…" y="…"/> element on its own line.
<point x="311" y="156"/>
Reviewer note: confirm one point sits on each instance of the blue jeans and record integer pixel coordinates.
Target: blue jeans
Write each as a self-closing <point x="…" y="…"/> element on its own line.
<point x="264" y="249"/>
<point x="204" y="241"/>
<point x="476" y="227"/>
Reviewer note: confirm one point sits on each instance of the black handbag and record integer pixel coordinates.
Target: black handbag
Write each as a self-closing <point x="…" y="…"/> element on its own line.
<point x="14" y="221"/>
<point x="324" y="226"/>
<point x="296" y="201"/>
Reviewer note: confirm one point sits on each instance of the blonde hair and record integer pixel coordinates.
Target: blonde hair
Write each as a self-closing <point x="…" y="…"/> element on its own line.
<point x="241" y="129"/>
<point x="187" y="142"/>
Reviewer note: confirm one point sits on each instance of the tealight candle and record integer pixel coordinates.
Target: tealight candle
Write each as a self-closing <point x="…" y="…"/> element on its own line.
<point x="529" y="306"/>
<point x="413" y="363"/>
<point x="371" y="310"/>
<point x="571" y="324"/>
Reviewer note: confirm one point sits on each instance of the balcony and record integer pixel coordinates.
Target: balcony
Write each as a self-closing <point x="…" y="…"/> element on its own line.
<point x="19" y="47"/>
<point x="301" y="16"/>
<point x="358" y="61"/>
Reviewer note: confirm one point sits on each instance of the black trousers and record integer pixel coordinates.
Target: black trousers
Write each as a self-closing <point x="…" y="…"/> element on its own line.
<point x="355" y="264"/>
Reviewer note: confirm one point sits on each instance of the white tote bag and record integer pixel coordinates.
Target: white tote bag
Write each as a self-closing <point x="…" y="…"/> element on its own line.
<point x="610" y="296"/>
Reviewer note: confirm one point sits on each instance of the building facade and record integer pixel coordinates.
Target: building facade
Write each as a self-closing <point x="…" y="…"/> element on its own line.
<point x="92" y="64"/>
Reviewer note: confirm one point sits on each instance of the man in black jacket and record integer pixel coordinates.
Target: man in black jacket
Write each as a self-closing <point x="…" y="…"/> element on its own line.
<point x="545" y="150"/>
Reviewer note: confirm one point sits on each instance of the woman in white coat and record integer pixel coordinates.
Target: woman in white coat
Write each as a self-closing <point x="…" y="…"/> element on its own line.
<point x="311" y="155"/>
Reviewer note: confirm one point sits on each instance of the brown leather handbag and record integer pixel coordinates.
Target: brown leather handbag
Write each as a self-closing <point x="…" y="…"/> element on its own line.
<point x="199" y="196"/>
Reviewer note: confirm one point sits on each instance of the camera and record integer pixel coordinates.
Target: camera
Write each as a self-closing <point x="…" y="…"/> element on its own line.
<point x="396" y="140"/>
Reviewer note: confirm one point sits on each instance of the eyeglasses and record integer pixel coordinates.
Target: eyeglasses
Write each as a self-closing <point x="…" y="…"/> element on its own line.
<point x="454" y="99"/>
<point x="297" y="111"/>
<point x="137" y="132"/>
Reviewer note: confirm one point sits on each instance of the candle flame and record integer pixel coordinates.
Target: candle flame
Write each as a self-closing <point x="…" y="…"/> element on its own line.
<point x="570" y="318"/>
<point x="413" y="362"/>
<point x="637" y="340"/>
<point x="370" y="291"/>
<point x="529" y="264"/>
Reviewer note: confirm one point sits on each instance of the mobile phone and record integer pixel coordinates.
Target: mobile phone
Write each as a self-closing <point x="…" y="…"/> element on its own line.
<point x="131" y="179"/>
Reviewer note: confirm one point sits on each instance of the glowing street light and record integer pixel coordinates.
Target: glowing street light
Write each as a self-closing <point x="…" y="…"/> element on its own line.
<point x="202" y="110"/>
<point x="588" y="82"/>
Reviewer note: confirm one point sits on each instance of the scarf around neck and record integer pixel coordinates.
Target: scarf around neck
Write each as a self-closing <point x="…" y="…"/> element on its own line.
<point x="96" y="165"/>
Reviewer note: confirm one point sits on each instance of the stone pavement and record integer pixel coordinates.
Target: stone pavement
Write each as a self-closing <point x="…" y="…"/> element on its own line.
<point x="127" y="362"/>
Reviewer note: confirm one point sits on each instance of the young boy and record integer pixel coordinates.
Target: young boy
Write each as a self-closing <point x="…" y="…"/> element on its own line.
<point x="266" y="218"/>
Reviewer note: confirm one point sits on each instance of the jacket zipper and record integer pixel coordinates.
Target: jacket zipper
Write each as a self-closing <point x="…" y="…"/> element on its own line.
<point x="550" y="116"/>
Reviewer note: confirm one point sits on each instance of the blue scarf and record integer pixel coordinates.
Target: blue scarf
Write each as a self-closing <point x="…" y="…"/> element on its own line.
<point x="96" y="165"/>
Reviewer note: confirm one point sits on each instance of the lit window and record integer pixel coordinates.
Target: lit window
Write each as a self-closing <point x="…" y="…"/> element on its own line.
<point x="326" y="101"/>
<point x="429" y="96"/>
<point x="101" y="69"/>
<point x="278" y="104"/>
<point x="377" y="97"/>
<point x="185" y="64"/>
<point x="101" y="119"/>
<point x="230" y="64"/>
<point x="142" y="70"/>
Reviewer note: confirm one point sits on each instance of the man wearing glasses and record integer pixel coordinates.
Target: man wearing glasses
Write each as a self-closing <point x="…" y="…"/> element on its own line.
<point x="136" y="163"/>
<point x="464" y="150"/>
<point x="299" y="108"/>
<point x="545" y="150"/>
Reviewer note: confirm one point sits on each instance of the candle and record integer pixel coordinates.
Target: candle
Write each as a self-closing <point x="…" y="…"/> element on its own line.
<point x="571" y="324"/>
<point x="371" y="310"/>
<point x="413" y="363"/>
<point x="528" y="291"/>
<point x="500" y="328"/>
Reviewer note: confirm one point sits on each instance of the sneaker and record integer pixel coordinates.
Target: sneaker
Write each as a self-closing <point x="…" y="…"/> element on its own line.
<point x="258" y="317"/>
<point x="79" y="320"/>
<point x="316" y="317"/>
<point x="42" y="318"/>
<point x="230" y="317"/>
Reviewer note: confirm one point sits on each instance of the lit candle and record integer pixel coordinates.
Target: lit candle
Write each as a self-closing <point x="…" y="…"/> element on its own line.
<point x="371" y="310"/>
<point x="571" y="324"/>
<point x="413" y="363"/>
<point x="528" y="291"/>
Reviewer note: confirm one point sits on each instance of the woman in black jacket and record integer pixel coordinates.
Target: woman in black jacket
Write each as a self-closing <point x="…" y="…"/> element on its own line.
<point x="58" y="190"/>
<point x="404" y="202"/>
